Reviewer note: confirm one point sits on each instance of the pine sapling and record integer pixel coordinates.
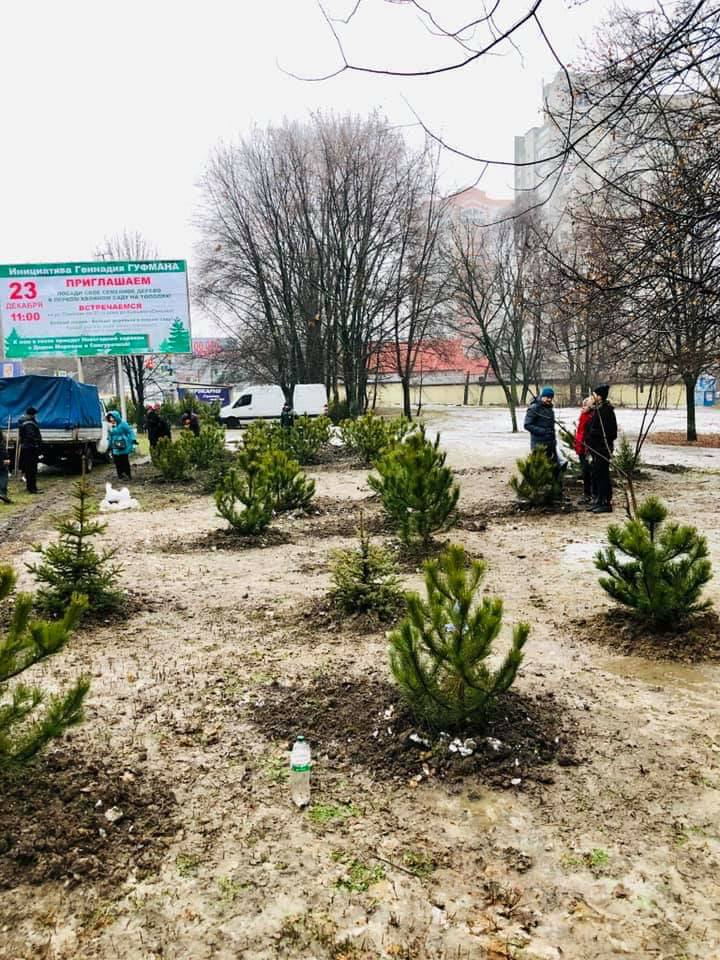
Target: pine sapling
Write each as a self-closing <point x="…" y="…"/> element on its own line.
<point x="246" y="486"/>
<point x="417" y="489"/>
<point x="539" y="483"/>
<point x="666" y="568"/>
<point x="365" y="578"/>
<point x="72" y="565"/>
<point x="287" y="485"/>
<point x="207" y="448"/>
<point x="438" y="653"/>
<point x="173" y="460"/>
<point x="24" y="730"/>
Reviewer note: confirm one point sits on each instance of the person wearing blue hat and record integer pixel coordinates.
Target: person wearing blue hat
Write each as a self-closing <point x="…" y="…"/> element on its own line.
<point x="540" y="423"/>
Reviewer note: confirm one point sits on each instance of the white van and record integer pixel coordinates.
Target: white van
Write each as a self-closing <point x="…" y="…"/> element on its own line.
<point x="264" y="401"/>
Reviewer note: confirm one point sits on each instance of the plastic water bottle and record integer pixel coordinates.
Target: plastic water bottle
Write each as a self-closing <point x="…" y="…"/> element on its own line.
<point x="300" y="772"/>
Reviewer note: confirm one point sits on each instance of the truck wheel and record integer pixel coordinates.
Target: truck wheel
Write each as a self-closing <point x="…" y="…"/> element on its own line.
<point x="232" y="423"/>
<point x="88" y="458"/>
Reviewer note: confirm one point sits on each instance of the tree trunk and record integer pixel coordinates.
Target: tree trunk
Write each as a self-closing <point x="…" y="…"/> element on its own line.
<point x="466" y="391"/>
<point x="690" y="380"/>
<point x="407" y="409"/>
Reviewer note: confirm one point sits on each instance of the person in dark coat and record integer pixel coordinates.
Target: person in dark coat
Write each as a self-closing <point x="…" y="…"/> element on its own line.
<point x="4" y="464"/>
<point x="30" y="446"/>
<point x="287" y="416"/>
<point x="600" y="439"/>
<point x="191" y="422"/>
<point x="540" y="423"/>
<point x="157" y="426"/>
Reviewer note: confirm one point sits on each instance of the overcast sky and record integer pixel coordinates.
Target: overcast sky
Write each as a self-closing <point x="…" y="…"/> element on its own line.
<point x="111" y="108"/>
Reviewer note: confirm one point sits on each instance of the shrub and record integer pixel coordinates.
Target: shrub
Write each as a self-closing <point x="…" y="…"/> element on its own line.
<point x="539" y="483"/>
<point x="370" y="436"/>
<point x="22" y="731"/>
<point x="247" y="486"/>
<point x="287" y="485"/>
<point x="365" y="578"/>
<point x="625" y="461"/>
<point x="207" y="447"/>
<point x="172" y="459"/>
<point x="72" y="565"/>
<point x="667" y="567"/>
<point x="304" y="439"/>
<point x="438" y="652"/>
<point x="338" y="411"/>
<point x="417" y="489"/>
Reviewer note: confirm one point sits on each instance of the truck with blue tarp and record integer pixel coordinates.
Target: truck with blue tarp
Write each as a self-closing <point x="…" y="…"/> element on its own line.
<point x="70" y="415"/>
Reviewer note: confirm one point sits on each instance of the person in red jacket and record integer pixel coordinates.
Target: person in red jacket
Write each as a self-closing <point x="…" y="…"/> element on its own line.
<point x="586" y="415"/>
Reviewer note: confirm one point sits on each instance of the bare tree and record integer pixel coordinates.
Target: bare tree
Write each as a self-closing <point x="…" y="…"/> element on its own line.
<point x="309" y="244"/>
<point x="420" y="293"/>
<point x="495" y="285"/>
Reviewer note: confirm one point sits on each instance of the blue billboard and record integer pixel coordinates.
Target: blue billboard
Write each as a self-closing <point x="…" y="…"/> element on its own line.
<point x="219" y="395"/>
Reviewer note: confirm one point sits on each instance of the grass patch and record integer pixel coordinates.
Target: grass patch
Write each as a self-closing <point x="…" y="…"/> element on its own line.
<point x="358" y="878"/>
<point x="419" y="863"/>
<point x="322" y="813"/>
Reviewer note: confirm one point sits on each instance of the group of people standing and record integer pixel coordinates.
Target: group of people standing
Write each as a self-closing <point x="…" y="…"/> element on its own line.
<point x="121" y="444"/>
<point x="595" y="438"/>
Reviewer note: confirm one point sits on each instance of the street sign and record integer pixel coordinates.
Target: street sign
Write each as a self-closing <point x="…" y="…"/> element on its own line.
<point x="94" y="308"/>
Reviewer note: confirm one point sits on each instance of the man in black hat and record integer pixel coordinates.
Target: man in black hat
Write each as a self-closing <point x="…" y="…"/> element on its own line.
<point x="30" y="447"/>
<point x="600" y="439"/>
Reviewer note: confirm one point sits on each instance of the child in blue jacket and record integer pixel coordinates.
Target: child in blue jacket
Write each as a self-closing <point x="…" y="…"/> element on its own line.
<point x="122" y="444"/>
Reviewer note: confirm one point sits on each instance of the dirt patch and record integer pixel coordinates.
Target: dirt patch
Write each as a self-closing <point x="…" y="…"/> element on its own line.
<point x="77" y="819"/>
<point x="225" y="540"/>
<point x="677" y="438"/>
<point x="364" y="721"/>
<point x="330" y="517"/>
<point x="693" y="641"/>
<point x="322" y="614"/>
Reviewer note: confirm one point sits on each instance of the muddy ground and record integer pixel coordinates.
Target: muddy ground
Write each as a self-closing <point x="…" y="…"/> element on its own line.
<point x="600" y="841"/>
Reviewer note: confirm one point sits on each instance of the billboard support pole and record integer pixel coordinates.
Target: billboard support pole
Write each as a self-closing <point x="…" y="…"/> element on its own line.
<point x="121" y="387"/>
<point x="81" y="376"/>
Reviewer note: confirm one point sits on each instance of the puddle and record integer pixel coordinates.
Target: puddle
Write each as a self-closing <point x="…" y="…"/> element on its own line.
<point x="661" y="673"/>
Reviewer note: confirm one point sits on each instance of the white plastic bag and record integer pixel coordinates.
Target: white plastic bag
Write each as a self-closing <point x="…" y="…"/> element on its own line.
<point x="117" y="499"/>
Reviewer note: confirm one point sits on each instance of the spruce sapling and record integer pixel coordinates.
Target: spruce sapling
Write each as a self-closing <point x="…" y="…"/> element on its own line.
<point x="207" y="448"/>
<point x="365" y="578"/>
<point x="438" y="652"/>
<point x="72" y="565"/>
<point x="667" y="567"/>
<point x="417" y="489"/>
<point x="539" y="483"/>
<point x="23" y="732"/>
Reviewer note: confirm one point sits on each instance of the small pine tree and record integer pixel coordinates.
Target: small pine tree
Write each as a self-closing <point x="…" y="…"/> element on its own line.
<point x="172" y="459"/>
<point x="26" y="642"/>
<point x="417" y="489"/>
<point x="248" y="486"/>
<point x="72" y="565"/>
<point x="626" y="460"/>
<point x="668" y="566"/>
<point x="287" y="485"/>
<point x="207" y="447"/>
<point x="370" y="436"/>
<point x="365" y="578"/>
<point x="539" y="483"/>
<point x="438" y="653"/>
<point x="304" y="439"/>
